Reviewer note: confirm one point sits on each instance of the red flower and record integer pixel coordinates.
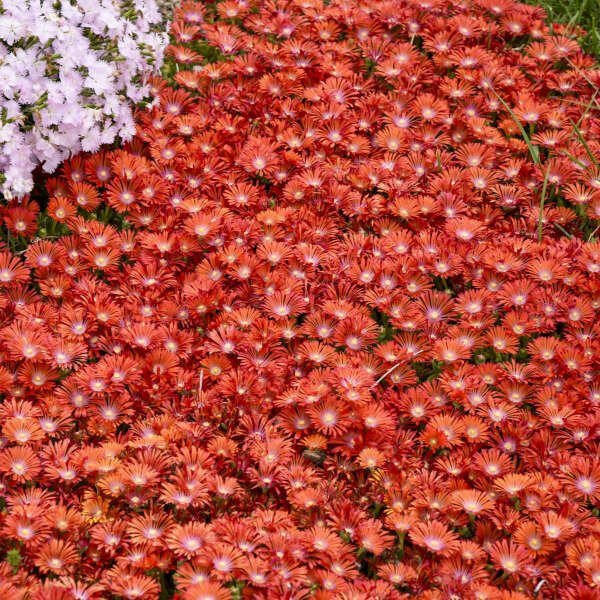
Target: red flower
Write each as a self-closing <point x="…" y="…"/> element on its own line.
<point x="435" y="537"/>
<point x="311" y="331"/>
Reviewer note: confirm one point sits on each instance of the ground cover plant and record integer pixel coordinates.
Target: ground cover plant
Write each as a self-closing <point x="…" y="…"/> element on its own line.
<point x="581" y="16"/>
<point x="326" y="328"/>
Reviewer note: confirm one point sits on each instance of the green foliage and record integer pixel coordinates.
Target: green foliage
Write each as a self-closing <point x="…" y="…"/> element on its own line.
<point x="13" y="558"/>
<point x="584" y="14"/>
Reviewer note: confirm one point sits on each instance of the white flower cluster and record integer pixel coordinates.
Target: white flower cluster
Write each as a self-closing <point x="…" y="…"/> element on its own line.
<point x="70" y="72"/>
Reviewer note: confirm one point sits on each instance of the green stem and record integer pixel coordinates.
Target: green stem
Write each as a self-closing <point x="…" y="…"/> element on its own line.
<point x="401" y="537"/>
<point x="545" y="186"/>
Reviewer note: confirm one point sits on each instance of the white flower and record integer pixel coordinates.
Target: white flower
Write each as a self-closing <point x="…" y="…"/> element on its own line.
<point x="11" y="29"/>
<point x="70" y="120"/>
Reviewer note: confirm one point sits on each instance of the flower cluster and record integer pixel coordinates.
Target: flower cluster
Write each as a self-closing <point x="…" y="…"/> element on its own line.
<point x="326" y="328"/>
<point x="69" y="72"/>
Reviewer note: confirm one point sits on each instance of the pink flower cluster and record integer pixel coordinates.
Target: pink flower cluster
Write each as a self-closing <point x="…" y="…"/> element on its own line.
<point x="327" y="328"/>
<point x="70" y="74"/>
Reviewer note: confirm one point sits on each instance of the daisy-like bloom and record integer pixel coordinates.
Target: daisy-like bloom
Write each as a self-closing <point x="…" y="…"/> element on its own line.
<point x="181" y="495"/>
<point x="450" y="351"/>
<point x="476" y="429"/>
<point x="355" y="334"/>
<point x="509" y="557"/>
<point x="529" y="535"/>
<point x="464" y="229"/>
<point x="98" y="168"/>
<point x="493" y="463"/>
<point x="258" y="156"/>
<point x="317" y="352"/>
<point x="122" y="195"/>
<point x="554" y="526"/>
<point x="502" y="340"/>
<point x="57" y="556"/>
<point x="22" y="430"/>
<point x="132" y="587"/>
<point x="370" y="458"/>
<point x="81" y="590"/>
<point x="42" y="254"/>
<point x="283" y="305"/>
<point x="85" y="195"/>
<point x="19" y="463"/>
<point x="21" y="220"/>
<point x="583" y="477"/>
<point x="435" y="537"/>
<point x="328" y="417"/>
<point x="149" y="529"/>
<point x="102" y="258"/>
<point x="370" y="535"/>
<point x="110" y="536"/>
<point x="206" y="591"/>
<point x="581" y="552"/>
<point x="223" y="560"/>
<point x="397" y="574"/>
<point x="513" y="483"/>
<point x="188" y="540"/>
<point x="323" y="540"/>
<point x="12" y="270"/>
<point x="435" y="308"/>
<point x="27" y="529"/>
<point x="472" y="501"/>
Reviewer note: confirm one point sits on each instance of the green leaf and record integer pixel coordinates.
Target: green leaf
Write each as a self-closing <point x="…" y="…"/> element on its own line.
<point x="544" y="188"/>
<point x="533" y="150"/>
<point x="13" y="558"/>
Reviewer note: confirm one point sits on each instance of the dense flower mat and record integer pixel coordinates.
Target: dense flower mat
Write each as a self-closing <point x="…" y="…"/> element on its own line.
<point x="326" y="329"/>
<point x="70" y="71"/>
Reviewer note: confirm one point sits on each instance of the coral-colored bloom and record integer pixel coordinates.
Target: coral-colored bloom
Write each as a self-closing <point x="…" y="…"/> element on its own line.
<point x="434" y="536"/>
<point x="311" y="330"/>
